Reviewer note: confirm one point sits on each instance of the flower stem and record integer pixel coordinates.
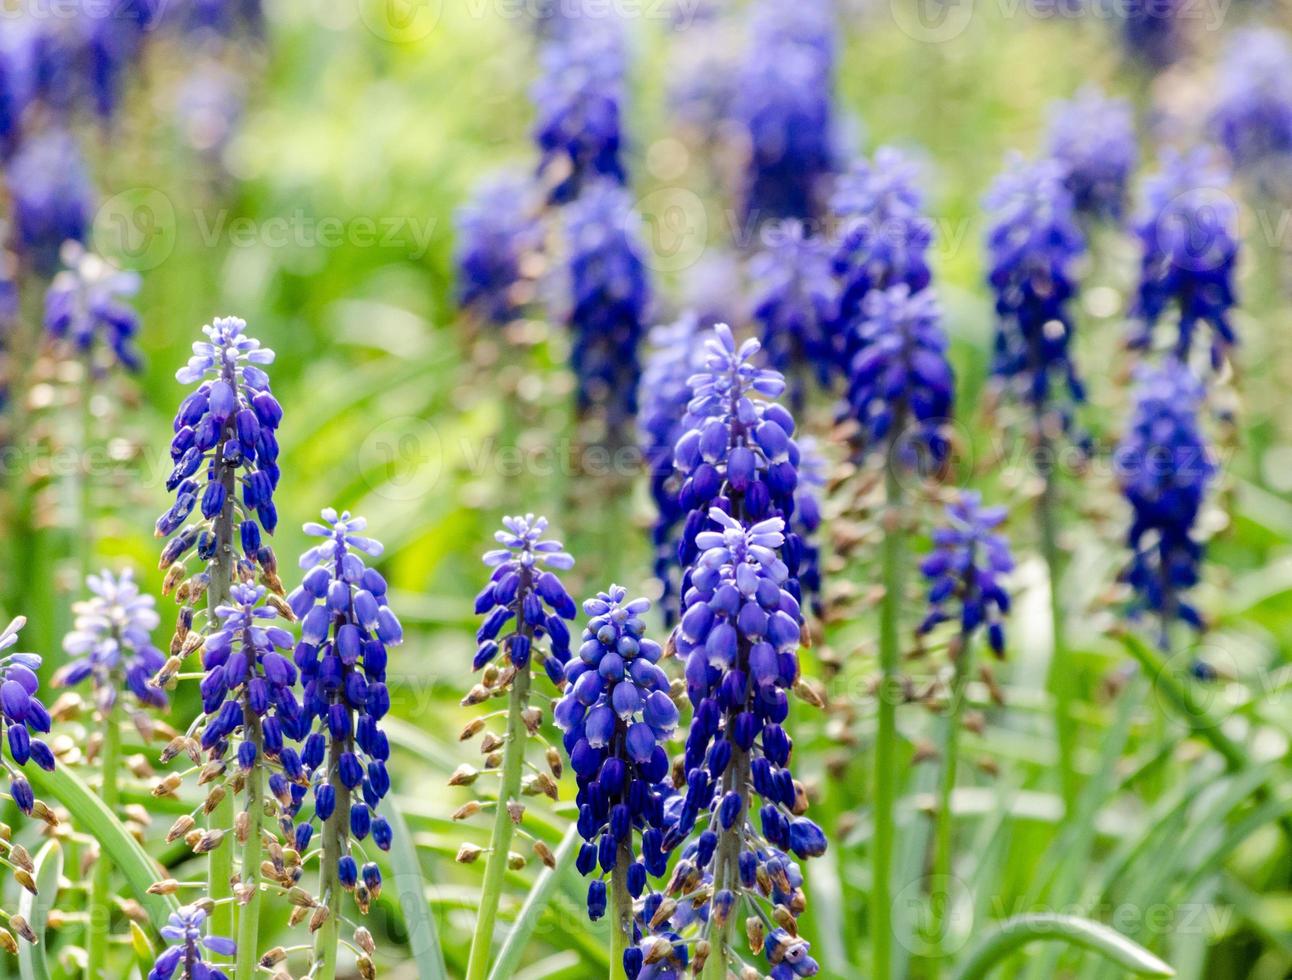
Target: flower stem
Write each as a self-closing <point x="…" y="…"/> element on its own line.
<point x="496" y="861"/>
<point x="1060" y="680"/>
<point x="328" y="937"/>
<point x="219" y="865"/>
<point x="85" y="477"/>
<point x="96" y="947"/>
<point x="886" y="736"/>
<point x="950" y="758"/>
<point x="726" y="867"/>
<point x="621" y="910"/>
<point x="249" y="926"/>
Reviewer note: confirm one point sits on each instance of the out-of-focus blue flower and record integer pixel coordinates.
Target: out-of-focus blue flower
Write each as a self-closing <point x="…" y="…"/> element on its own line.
<point x="218" y="18"/>
<point x="882" y="231"/>
<point x="22" y="717"/>
<point x="209" y="105"/>
<point x="1093" y="136"/>
<point x="703" y="73"/>
<point x="498" y="234"/>
<point x="224" y="436"/>
<point x="964" y="571"/>
<point x="616" y="715"/>
<point x="795" y="306"/>
<point x="610" y="299"/>
<point x="14" y="91"/>
<point x="1154" y="32"/>
<point x="1253" y="114"/>
<point x="1188" y="232"/>
<point x="87" y="301"/>
<point x="1165" y="467"/>
<point x="676" y="353"/>
<point x="111" y="642"/>
<point x="1033" y="243"/>
<point x="52" y="197"/>
<point x="525" y="592"/>
<point x="578" y="97"/>
<point x="784" y="103"/>
<point x="185" y="931"/>
<point x="346" y="626"/>
<point x="807" y="518"/>
<point x="900" y="385"/>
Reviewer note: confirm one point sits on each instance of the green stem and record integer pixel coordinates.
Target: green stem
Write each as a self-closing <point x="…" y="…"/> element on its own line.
<point x="101" y="884"/>
<point x="249" y="926"/>
<point x="537" y="903"/>
<point x="500" y="842"/>
<point x="950" y="758"/>
<point x="621" y="911"/>
<point x="1021" y="930"/>
<point x="726" y="866"/>
<point x="84" y="473"/>
<point x="327" y="939"/>
<point x="881" y="909"/>
<point x="1060" y="679"/>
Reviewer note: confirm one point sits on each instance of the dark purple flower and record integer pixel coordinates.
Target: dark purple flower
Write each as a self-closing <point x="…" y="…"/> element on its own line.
<point x="22" y="716"/>
<point x="185" y="931"/>
<point x="498" y="236"/>
<point x="1093" y="136"/>
<point x="1253" y="114"/>
<point x="52" y="197"/>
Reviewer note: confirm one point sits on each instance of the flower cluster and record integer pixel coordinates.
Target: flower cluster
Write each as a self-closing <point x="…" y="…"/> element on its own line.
<point x="784" y="105"/>
<point x="185" y="931"/>
<point x="610" y="297"/>
<point x="616" y="714"/>
<point x="86" y="301"/>
<point x="968" y="561"/>
<point x="22" y="716"/>
<point x="111" y="642"/>
<point x="1033" y="242"/>
<point x="346" y="626"/>
<point x="524" y="592"/>
<point x="52" y="197"/>
<point x="796" y="309"/>
<point x="1165" y="467"/>
<point x="884" y="235"/>
<point x="498" y="236"/>
<point x="1093" y="136"/>
<point x="1253" y="114"/>
<point x="1155" y="32"/>
<point x="579" y="97"/>
<point x="1188" y="232"/>
<point x="899" y="380"/>
<point x="225" y="435"/>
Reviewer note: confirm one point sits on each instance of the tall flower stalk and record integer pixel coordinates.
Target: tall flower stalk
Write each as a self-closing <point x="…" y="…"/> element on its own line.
<point x="524" y="596"/>
<point x="111" y="643"/>
<point x="346" y="626"/>
<point x="225" y="453"/>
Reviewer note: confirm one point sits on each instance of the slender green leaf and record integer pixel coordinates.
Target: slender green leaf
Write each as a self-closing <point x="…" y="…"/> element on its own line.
<point x="1012" y="934"/>
<point x="513" y="947"/>
<point x="127" y="854"/>
<point x="32" y="964"/>
<point x="423" y="939"/>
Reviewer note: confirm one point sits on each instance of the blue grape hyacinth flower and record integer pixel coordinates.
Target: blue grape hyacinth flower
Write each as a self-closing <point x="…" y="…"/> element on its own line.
<point x="111" y="642"/>
<point x="883" y="236"/>
<point x="1165" y="467"/>
<point x="964" y="571"/>
<point x="795" y="306"/>
<point x="346" y="627"/>
<point x="1093" y="136"/>
<point x="900" y="385"/>
<point x="1033" y="243"/>
<point x="498" y="236"/>
<point x="186" y="931"/>
<point x="225" y="438"/>
<point x="87" y="302"/>
<point x="52" y="197"/>
<point x="23" y="717"/>
<point x="1253" y="114"/>
<point x="609" y="303"/>
<point x="616" y="715"/>
<point x="1188" y="232"/>
<point x="578" y="97"/>
<point x="525" y="594"/>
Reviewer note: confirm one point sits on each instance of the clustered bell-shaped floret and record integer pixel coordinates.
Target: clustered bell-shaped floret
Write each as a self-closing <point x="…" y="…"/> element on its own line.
<point x="1188" y="231"/>
<point x="1093" y="137"/>
<point x="87" y="302"/>
<point x="184" y="930"/>
<point x="498" y="235"/>
<point x="1165" y="467"/>
<point x="346" y="627"/>
<point x="111" y="642"/>
<point x="525" y="592"/>
<point x="51" y="195"/>
<point x="899" y="380"/>
<point x="616" y="716"/>
<point x="22" y="717"/>
<point x="1253" y="114"/>
<point x="225" y="435"/>
<point x="968" y="561"/>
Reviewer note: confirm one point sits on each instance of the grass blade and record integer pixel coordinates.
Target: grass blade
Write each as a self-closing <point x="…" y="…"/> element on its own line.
<point x="32" y="964"/>
<point x="1021" y="930"/>
<point x="423" y="939"/>
<point x="513" y="947"/>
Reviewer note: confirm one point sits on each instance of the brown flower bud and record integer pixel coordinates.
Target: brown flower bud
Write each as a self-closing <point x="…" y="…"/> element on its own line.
<point x="366" y="968"/>
<point x="491" y="743"/>
<point x="756" y="933"/>
<point x="167" y="886"/>
<point x="467" y="810"/>
<point x="24" y="930"/>
<point x="554" y="762"/>
<point x="516" y="862"/>
<point x="363" y="939"/>
<point x="468" y="853"/>
<point x="179" y="828"/>
<point x="532" y="717"/>
<point x="272" y="958"/>
<point x="545" y="854"/>
<point x="7" y="942"/>
<point x="472" y="729"/>
<point x="464" y="775"/>
<point x="300" y="897"/>
<point x="209" y="841"/>
<point x="26" y="880"/>
<point x="318" y="917"/>
<point x="168" y="786"/>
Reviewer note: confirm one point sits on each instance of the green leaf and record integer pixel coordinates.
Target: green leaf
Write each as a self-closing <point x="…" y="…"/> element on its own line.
<point x="423" y="940"/>
<point x="35" y="909"/>
<point x="91" y="815"/>
<point x="1021" y="930"/>
<point x="144" y="950"/>
<point x="513" y="947"/>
